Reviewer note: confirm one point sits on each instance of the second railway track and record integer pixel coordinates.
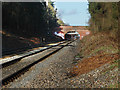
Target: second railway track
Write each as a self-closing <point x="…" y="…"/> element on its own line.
<point x="16" y="69"/>
<point x="15" y="59"/>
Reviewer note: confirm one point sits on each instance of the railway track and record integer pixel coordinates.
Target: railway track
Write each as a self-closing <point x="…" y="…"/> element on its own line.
<point x="15" y="68"/>
<point x="21" y="49"/>
<point x="15" y="59"/>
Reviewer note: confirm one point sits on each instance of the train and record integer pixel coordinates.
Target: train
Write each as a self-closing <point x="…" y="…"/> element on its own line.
<point x="72" y="35"/>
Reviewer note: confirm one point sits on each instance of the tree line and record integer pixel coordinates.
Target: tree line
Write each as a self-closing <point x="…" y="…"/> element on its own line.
<point x="104" y="16"/>
<point x="29" y="19"/>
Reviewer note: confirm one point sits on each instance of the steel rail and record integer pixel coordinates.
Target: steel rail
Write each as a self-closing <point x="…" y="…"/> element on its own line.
<point x="18" y="59"/>
<point x="5" y="80"/>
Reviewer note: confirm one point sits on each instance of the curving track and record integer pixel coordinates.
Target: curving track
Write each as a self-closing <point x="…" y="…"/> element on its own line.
<point x="15" y="68"/>
<point x="17" y="58"/>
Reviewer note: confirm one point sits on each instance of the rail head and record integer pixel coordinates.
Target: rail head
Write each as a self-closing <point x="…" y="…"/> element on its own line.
<point x="27" y="66"/>
<point x="6" y="61"/>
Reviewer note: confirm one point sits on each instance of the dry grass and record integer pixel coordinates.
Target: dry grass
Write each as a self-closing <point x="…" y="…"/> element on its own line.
<point x="88" y="64"/>
<point x="97" y="50"/>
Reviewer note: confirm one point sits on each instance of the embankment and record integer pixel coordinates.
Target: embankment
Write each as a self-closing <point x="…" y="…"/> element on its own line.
<point x="97" y="50"/>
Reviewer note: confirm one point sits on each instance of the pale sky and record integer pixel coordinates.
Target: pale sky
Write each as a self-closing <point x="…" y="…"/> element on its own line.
<point x="69" y="0"/>
<point x="73" y="12"/>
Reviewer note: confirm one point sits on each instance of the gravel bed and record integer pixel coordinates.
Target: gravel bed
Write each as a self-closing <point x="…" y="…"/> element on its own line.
<point x="53" y="73"/>
<point x="24" y="62"/>
<point x="50" y="72"/>
<point x="94" y="79"/>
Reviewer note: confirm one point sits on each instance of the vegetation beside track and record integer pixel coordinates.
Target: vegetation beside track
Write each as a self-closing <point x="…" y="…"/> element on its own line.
<point x="97" y="50"/>
<point x="101" y="46"/>
<point x="28" y="19"/>
<point x="28" y="25"/>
